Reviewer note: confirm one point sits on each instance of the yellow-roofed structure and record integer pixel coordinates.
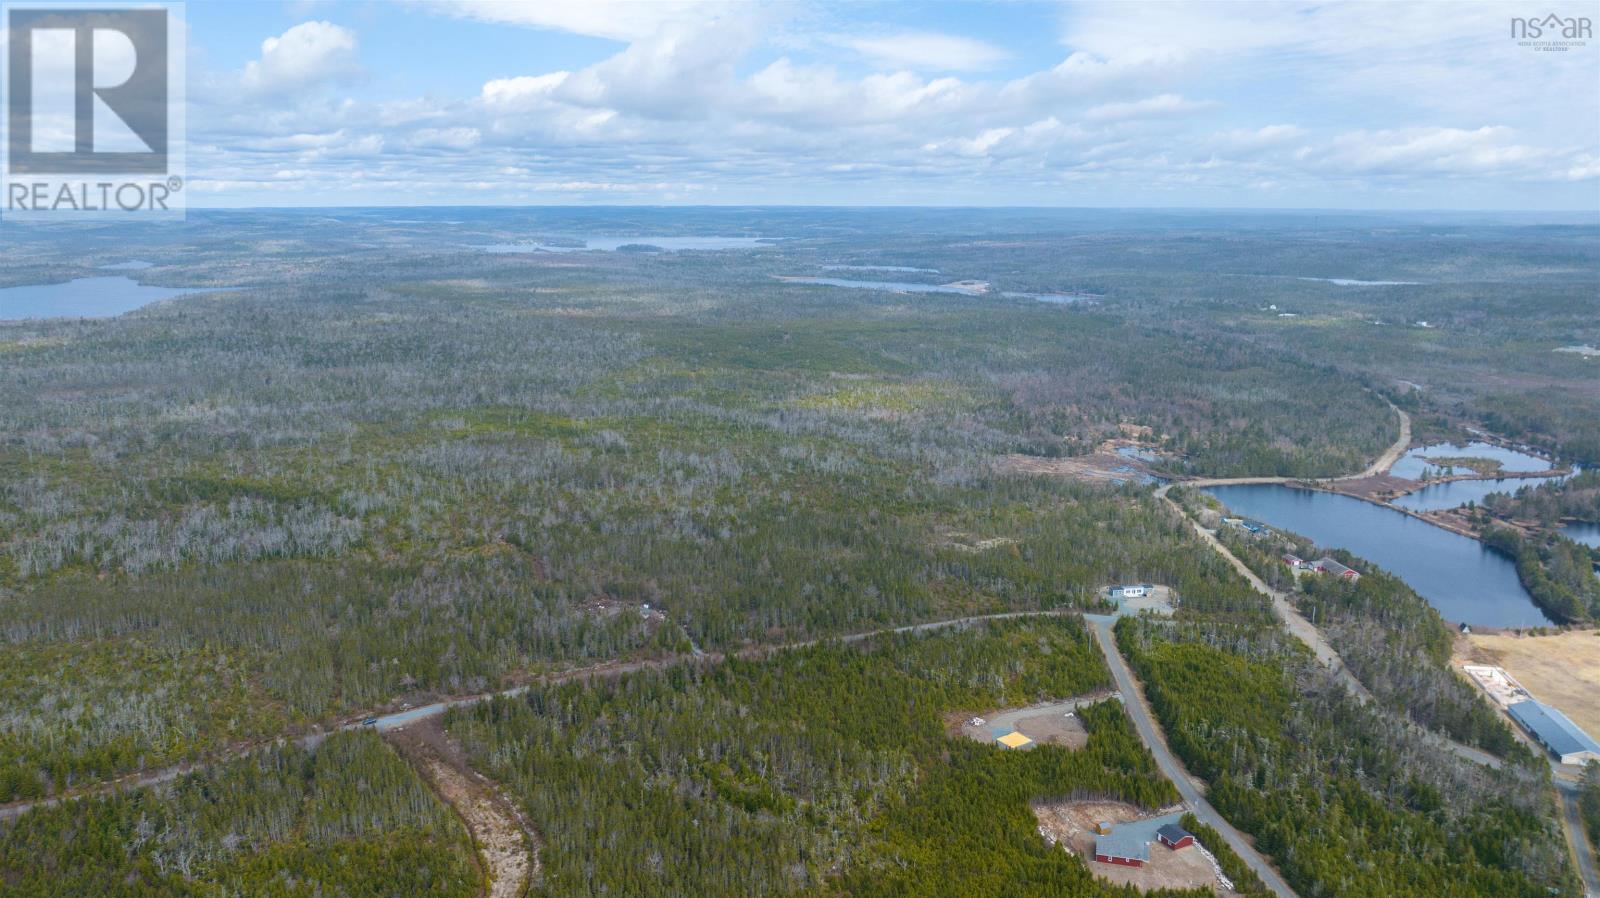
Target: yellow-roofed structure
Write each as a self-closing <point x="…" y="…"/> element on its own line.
<point x="1014" y="739"/>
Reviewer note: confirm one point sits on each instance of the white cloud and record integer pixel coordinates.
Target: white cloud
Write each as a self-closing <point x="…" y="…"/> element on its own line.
<point x="928" y="51"/>
<point x="459" y="138"/>
<point x="1150" y="107"/>
<point x="619" y="20"/>
<point x="1446" y="151"/>
<point x="705" y="97"/>
<point x="307" y="54"/>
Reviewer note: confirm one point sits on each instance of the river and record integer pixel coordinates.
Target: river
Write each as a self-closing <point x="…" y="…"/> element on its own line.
<point x="1464" y="580"/>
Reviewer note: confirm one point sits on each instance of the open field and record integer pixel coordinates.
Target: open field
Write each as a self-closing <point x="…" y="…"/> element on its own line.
<point x="1071" y="825"/>
<point x="1561" y="670"/>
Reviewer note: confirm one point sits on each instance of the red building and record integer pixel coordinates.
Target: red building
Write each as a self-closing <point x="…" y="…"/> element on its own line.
<point x="1174" y="836"/>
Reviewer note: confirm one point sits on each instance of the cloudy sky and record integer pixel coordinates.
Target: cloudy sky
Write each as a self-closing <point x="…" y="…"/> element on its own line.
<point x="1354" y="105"/>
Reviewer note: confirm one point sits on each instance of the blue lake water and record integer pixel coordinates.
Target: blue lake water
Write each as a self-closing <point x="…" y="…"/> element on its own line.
<point x="1588" y="534"/>
<point x="1464" y="580"/>
<point x="1455" y="493"/>
<point x="1412" y="463"/>
<point x="611" y="244"/>
<point x="96" y="297"/>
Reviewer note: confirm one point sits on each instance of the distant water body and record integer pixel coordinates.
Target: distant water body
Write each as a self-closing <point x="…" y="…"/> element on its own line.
<point x="96" y="297"/>
<point x="958" y="289"/>
<point x="1352" y="282"/>
<point x="612" y="244"/>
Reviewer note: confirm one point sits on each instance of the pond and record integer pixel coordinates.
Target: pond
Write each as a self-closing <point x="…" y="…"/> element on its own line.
<point x="612" y="244"/>
<point x="1464" y="580"/>
<point x="96" y="297"/>
<point x="1411" y="464"/>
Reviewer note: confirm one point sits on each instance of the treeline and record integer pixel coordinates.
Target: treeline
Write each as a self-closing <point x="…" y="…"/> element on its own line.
<point x="1347" y="801"/>
<point x="819" y="770"/>
<point x="1557" y="572"/>
<point x="348" y="818"/>
<point x="1551" y="502"/>
<point x="1393" y="641"/>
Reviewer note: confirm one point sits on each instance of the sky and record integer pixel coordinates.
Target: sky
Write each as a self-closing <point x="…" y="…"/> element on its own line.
<point x="1366" y="105"/>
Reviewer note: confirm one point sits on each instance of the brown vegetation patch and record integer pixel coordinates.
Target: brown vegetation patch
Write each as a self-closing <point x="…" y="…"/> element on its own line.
<point x="1561" y="669"/>
<point x="1100" y="467"/>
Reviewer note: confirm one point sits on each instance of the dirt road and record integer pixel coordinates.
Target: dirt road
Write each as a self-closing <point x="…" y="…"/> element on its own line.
<point x="507" y="849"/>
<point x="1582" y="851"/>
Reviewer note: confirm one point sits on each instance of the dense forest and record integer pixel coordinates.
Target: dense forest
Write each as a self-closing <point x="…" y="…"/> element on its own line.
<point x="1344" y="798"/>
<point x="348" y="818"/>
<point x="1558" y="573"/>
<point x="772" y="777"/>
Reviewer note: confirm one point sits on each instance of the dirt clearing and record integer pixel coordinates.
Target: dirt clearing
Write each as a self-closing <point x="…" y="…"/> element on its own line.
<point x="505" y="844"/>
<point x="1561" y="670"/>
<point x="1055" y="723"/>
<point x="1071" y="825"/>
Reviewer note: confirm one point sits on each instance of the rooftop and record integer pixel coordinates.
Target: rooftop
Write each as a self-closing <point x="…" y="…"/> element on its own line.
<point x="1172" y="832"/>
<point x="1560" y="735"/>
<point x="1132" y="840"/>
<point x="1014" y="739"/>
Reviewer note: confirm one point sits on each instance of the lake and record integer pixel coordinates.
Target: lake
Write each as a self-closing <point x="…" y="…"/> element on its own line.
<point x="1454" y="493"/>
<point x="1411" y="464"/>
<point x="96" y="297"/>
<point x="612" y="244"/>
<point x="1467" y="582"/>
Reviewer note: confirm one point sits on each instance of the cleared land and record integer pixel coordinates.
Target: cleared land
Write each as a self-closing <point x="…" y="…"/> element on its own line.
<point x="1054" y="722"/>
<point x="1071" y="825"/>
<point x="1561" y="670"/>
<point x="506" y="847"/>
